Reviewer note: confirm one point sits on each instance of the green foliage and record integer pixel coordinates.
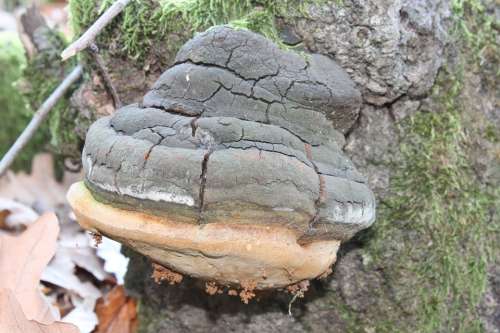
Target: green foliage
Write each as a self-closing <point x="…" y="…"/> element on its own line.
<point x="146" y="22"/>
<point x="15" y="111"/>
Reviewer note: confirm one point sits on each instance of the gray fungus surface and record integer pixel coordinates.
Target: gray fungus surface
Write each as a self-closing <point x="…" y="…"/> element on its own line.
<point x="237" y="131"/>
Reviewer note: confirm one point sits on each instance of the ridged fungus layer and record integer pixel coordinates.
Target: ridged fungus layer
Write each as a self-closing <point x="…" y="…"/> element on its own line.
<point x="231" y="168"/>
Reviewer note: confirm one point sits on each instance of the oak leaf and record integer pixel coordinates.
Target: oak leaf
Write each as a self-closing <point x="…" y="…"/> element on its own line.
<point x="13" y="320"/>
<point x="117" y="312"/>
<point x="22" y="260"/>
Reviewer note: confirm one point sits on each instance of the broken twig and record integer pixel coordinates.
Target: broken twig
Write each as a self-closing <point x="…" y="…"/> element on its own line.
<point x="38" y="118"/>
<point x="89" y="36"/>
<point x="101" y="66"/>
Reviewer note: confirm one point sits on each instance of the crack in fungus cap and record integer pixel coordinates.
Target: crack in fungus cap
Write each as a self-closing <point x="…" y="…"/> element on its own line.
<point x="231" y="168"/>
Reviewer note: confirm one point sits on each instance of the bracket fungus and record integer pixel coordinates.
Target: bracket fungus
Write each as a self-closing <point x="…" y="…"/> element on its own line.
<point x="231" y="168"/>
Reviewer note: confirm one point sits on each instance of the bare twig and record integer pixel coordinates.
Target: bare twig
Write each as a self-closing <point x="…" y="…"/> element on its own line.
<point x="38" y="118"/>
<point x="105" y="75"/>
<point x="89" y="36"/>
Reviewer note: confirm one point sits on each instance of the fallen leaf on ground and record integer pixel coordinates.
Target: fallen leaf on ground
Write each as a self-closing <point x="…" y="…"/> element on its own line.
<point x="117" y="312"/>
<point x="15" y="215"/>
<point x="83" y="315"/>
<point x="77" y="244"/>
<point x="39" y="190"/>
<point x="22" y="260"/>
<point x="114" y="261"/>
<point x="13" y="320"/>
<point x="74" y="249"/>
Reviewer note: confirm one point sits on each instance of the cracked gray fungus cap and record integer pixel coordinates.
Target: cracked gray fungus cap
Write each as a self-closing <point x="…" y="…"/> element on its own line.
<point x="240" y="131"/>
<point x="237" y="131"/>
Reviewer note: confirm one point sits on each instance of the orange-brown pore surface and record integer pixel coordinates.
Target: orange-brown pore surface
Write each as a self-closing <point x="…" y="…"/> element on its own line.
<point x="230" y="254"/>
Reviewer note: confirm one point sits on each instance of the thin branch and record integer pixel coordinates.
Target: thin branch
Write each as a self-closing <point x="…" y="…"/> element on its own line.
<point x="38" y="118"/>
<point x="94" y="50"/>
<point x="89" y="36"/>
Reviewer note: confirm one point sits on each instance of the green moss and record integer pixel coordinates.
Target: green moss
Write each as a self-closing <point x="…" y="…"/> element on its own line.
<point x="144" y="23"/>
<point x="41" y="76"/>
<point x="476" y="28"/>
<point x="24" y="85"/>
<point x="492" y="134"/>
<point x="437" y="228"/>
<point x="448" y="216"/>
<point x="15" y="111"/>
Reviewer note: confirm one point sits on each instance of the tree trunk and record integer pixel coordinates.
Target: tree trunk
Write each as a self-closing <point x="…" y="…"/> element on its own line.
<point x="427" y="138"/>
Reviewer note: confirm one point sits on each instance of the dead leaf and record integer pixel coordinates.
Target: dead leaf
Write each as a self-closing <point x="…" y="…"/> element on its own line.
<point x="74" y="249"/>
<point x="13" y="320"/>
<point x="117" y="312"/>
<point x="83" y="315"/>
<point x="114" y="261"/>
<point x="42" y="192"/>
<point x="22" y="260"/>
<point x="15" y="215"/>
<point x="3" y="219"/>
<point x="76" y="244"/>
<point x="39" y="189"/>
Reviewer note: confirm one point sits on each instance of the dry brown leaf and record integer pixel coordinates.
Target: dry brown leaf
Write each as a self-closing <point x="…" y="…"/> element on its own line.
<point x="3" y="219"/>
<point x="117" y="312"/>
<point x="22" y="260"/>
<point x="126" y="320"/>
<point x="13" y="320"/>
<point x="38" y="189"/>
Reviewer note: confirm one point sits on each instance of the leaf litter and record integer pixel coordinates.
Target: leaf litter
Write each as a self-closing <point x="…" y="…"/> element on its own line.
<point x="62" y="261"/>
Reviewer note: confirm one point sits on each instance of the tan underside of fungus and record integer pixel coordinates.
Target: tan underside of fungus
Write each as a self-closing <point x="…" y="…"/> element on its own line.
<point x="262" y="255"/>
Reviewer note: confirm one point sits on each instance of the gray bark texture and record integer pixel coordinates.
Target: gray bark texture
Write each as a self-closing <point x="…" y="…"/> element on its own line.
<point x="415" y="269"/>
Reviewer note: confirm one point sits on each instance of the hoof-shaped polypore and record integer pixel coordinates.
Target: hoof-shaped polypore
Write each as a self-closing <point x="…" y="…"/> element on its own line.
<point x="231" y="168"/>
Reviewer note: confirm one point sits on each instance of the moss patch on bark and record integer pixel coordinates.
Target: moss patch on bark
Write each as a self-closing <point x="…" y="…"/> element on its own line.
<point x="435" y="237"/>
<point x="16" y="113"/>
<point x="24" y="86"/>
<point x="144" y="23"/>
